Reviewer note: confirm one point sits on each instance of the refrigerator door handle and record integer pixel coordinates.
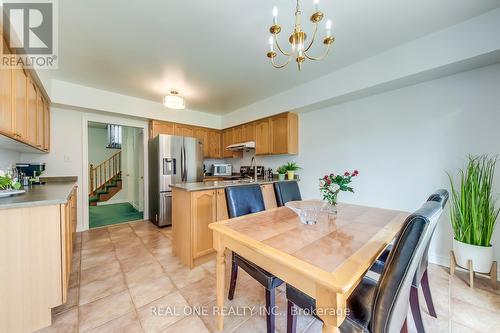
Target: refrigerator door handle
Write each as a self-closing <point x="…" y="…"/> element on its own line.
<point x="183" y="164"/>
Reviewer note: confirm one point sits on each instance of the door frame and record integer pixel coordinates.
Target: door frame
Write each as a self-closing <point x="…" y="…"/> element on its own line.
<point x="127" y="122"/>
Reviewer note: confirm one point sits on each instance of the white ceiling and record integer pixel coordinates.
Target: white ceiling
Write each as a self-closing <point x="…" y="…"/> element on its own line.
<point x="214" y="51"/>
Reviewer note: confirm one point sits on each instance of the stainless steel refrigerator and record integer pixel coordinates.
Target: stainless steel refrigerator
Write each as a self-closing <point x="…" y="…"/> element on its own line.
<point x="172" y="160"/>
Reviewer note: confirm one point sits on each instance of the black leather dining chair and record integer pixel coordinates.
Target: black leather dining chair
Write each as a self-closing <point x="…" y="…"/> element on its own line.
<point x="286" y="191"/>
<point x="381" y="306"/>
<point x="421" y="277"/>
<point x="243" y="200"/>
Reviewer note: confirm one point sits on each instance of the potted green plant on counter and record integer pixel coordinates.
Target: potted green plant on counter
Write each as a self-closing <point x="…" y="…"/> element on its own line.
<point x="473" y="213"/>
<point x="291" y="167"/>
<point x="281" y="172"/>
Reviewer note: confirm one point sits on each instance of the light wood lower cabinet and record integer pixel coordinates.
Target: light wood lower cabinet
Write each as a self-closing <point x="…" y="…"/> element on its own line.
<point x="192" y="213"/>
<point x="35" y="261"/>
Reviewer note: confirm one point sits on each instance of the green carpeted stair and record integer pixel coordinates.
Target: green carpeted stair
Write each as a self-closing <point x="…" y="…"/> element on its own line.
<point x="111" y="214"/>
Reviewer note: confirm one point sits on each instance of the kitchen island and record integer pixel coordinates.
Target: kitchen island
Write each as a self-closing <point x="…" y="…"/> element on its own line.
<point x="36" y="241"/>
<point x="195" y="206"/>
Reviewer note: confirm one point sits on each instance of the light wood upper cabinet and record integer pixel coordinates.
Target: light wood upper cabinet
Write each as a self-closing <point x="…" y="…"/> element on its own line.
<point x="237" y="134"/>
<point x="204" y="212"/>
<point x="20" y="104"/>
<point x="248" y="131"/>
<point x="6" y="110"/>
<point x="32" y="113"/>
<point x="273" y="135"/>
<point x="40" y="126"/>
<point x="262" y="137"/>
<point x="23" y="109"/>
<point x="202" y="134"/>
<point x="284" y="133"/>
<point x="227" y="139"/>
<point x="184" y="130"/>
<point x="214" y="144"/>
<point x="46" y="127"/>
<point x="160" y="127"/>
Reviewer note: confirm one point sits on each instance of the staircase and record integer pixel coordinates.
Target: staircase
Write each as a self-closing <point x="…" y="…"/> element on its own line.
<point x="105" y="179"/>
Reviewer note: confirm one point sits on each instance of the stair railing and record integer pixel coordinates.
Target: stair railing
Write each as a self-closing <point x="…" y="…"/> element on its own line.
<point x="99" y="175"/>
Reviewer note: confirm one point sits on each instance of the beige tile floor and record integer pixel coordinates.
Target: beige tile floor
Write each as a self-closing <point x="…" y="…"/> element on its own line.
<point x="125" y="279"/>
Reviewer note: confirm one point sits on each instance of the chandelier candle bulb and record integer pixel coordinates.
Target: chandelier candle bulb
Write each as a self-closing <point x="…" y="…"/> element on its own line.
<point x="271" y="44"/>
<point x="275" y="15"/>
<point x="316" y="3"/>
<point x="329" y="28"/>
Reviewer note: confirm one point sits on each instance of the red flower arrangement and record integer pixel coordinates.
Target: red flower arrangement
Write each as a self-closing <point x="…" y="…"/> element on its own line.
<point x="330" y="185"/>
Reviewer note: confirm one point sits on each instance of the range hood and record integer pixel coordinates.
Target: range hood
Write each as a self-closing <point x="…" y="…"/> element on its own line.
<point x="243" y="146"/>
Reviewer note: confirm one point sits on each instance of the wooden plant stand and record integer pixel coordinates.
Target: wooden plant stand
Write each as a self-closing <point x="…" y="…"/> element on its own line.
<point x="492" y="275"/>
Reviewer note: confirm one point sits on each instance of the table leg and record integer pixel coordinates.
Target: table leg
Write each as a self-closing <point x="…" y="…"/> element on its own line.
<point x="220" y="274"/>
<point x="331" y="309"/>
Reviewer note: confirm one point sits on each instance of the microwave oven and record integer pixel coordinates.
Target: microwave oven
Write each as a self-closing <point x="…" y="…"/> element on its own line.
<point x="222" y="169"/>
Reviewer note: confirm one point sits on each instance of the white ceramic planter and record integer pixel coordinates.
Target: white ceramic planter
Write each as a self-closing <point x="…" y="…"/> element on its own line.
<point x="291" y="175"/>
<point x="281" y="176"/>
<point x="481" y="256"/>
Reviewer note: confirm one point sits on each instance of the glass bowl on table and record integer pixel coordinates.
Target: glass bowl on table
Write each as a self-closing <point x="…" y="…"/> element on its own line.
<point x="310" y="211"/>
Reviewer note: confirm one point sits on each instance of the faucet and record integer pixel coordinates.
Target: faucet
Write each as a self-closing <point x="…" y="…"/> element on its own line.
<point x="254" y="163"/>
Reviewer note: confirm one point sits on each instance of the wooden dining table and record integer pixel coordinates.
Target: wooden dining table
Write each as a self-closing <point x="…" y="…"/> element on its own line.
<point x="325" y="260"/>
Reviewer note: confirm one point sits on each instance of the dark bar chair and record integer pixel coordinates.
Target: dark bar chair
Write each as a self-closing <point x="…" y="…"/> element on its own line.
<point x="421" y="277"/>
<point x="381" y="306"/>
<point x="243" y="200"/>
<point x="286" y="191"/>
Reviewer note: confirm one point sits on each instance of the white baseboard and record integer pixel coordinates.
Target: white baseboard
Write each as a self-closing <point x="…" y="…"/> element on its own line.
<point x="445" y="261"/>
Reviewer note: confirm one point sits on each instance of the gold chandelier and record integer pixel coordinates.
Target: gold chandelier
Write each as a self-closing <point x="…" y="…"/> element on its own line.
<point x="298" y="38"/>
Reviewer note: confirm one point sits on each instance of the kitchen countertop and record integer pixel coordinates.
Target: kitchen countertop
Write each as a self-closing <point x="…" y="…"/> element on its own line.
<point x="212" y="185"/>
<point x="56" y="191"/>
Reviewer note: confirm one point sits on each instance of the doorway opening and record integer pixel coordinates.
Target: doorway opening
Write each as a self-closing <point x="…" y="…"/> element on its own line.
<point x="116" y="174"/>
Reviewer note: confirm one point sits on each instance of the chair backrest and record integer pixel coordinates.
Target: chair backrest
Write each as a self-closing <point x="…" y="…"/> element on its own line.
<point x="244" y="199"/>
<point x="286" y="191"/>
<point x="440" y="196"/>
<point x="392" y="294"/>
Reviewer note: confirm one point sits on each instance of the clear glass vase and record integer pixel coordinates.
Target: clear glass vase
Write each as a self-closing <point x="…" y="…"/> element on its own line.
<point x="331" y="209"/>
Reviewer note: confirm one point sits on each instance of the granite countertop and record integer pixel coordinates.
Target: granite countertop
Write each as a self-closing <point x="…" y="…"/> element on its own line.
<point x="212" y="185"/>
<point x="56" y="191"/>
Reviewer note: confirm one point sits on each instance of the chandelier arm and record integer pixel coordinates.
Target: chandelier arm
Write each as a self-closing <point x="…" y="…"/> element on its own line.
<point x="279" y="47"/>
<point x="280" y="66"/>
<point x="313" y="37"/>
<point x="320" y="57"/>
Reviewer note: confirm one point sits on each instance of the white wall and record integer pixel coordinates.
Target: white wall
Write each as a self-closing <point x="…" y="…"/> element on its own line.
<point x="403" y="142"/>
<point x="98" y="141"/>
<point x="65" y="157"/>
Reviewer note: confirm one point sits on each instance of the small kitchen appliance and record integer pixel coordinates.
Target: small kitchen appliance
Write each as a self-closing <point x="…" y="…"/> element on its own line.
<point x="222" y="169"/>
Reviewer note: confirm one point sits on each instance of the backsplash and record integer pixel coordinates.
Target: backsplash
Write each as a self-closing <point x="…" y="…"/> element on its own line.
<point x="272" y="162"/>
<point x="8" y="158"/>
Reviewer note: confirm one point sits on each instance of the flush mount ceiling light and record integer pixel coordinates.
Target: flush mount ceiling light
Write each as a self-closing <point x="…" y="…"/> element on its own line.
<point x="174" y="101"/>
<point x="298" y="38"/>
